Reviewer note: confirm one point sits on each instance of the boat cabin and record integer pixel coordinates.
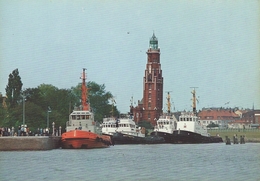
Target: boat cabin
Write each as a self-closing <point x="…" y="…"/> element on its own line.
<point x="81" y="120"/>
<point x="190" y="122"/>
<point x="166" y="124"/>
<point x="123" y="125"/>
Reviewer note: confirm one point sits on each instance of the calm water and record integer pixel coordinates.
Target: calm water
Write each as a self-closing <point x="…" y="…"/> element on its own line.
<point x="136" y="162"/>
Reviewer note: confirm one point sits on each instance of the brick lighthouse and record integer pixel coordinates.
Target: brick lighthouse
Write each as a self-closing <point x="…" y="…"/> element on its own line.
<point x="150" y="107"/>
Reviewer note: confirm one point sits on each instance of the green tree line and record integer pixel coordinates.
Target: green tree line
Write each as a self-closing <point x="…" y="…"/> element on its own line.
<point x="35" y="103"/>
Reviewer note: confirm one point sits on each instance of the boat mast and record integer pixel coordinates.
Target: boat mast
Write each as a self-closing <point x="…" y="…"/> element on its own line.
<point x="84" y="92"/>
<point x="194" y="99"/>
<point x="168" y="102"/>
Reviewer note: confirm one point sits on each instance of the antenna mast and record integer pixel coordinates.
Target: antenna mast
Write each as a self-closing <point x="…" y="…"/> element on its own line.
<point x="84" y="92"/>
<point x="194" y="100"/>
<point x="168" y="102"/>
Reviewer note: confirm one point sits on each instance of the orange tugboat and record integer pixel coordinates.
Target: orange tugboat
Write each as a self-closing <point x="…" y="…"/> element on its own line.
<point x="81" y="129"/>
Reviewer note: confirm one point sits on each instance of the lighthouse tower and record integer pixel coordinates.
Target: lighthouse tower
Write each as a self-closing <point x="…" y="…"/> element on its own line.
<point x="150" y="107"/>
<point x="152" y="83"/>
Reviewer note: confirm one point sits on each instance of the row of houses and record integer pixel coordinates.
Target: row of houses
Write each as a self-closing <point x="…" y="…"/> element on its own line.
<point x="230" y="118"/>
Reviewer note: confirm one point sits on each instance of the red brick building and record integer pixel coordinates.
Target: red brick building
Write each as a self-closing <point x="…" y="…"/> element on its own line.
<point x="150" y="107"/>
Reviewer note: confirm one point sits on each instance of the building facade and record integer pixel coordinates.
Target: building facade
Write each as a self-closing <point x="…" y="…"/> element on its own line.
<point x="219" y="116"/>
<point x="150" y="107"/>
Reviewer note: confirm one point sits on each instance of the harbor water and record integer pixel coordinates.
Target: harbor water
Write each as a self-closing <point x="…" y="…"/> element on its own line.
<point x="136" y="162"/>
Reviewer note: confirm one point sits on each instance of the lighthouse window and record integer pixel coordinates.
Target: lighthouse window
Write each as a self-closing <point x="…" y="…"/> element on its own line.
<point x="149" y="77"/>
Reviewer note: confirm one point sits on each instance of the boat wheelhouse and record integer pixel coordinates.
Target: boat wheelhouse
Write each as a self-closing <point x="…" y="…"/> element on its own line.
<point x="190" y="123"/>
<point x="82" y="120"/>
<point x="166" y="124"/>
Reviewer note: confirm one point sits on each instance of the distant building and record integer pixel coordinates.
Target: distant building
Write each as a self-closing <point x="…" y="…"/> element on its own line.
<point x="219" y="116"/>
<point x="239" y="124"/>
<point x="150" y="107"/>
<point x="252" y="116"/>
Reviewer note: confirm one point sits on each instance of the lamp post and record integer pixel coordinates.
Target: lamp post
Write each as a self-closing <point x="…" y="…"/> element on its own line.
<point x="53" y="125"/>
<point x="48" y="111"/>
<point x="24" y="110"/>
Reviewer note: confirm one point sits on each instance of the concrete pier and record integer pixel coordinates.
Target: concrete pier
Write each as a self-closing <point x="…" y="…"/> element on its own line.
<point x="21" y="143"/>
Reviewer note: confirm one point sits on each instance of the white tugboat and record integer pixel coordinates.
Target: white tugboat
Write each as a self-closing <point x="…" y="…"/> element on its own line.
<point x="123" y="127"/>
<point x="166" y="124"/>
<point x="190" y="129"/>
<point x="125" y="131"/>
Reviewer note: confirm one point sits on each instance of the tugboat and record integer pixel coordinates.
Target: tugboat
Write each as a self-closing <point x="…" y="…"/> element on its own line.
<point x="190" y="129"/>
<point x="124" y="130"/>
<point x="166" y="124"/>
<point x="128" y="133"/>
<point x="81" y="129"/>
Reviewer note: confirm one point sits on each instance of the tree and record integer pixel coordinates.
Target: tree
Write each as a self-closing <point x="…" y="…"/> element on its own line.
<point x="98" y="99"/>
<point x="212" y="125"/>
<point x="147" y="125"/>
<point x="13" y="89"/>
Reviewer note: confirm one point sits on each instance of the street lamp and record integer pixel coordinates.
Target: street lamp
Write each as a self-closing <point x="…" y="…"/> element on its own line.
<point x="48" y="111"/>
<point x="24" y="110"/>
<point x="53" y="125"/>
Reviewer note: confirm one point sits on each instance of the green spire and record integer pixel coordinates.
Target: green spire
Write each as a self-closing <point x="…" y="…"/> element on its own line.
<point x="154" y="42"/>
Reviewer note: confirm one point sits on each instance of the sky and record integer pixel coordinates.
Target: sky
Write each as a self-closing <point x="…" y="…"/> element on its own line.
<point x="211" y="44"/>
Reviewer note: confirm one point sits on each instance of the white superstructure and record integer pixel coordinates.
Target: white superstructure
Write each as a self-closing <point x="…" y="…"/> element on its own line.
<point x="189" y="122"/>
<point x="82" y="120"/>
<point x="166" y="124"/>
<point x="122" y="125"/>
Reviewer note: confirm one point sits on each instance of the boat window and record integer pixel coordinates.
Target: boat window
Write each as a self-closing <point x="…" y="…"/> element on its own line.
<point x="73" y="117"/>
<point x="87" y="116"/>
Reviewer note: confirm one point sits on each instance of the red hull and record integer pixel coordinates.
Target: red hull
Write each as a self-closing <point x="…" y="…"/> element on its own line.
<point x="78" y="139"/>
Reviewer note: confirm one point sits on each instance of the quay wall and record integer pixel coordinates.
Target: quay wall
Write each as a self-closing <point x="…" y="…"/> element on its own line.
<point x="21" y="143"/>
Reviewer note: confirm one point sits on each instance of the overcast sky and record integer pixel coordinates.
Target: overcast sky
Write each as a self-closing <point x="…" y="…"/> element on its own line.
<point x="211" y="44"/>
